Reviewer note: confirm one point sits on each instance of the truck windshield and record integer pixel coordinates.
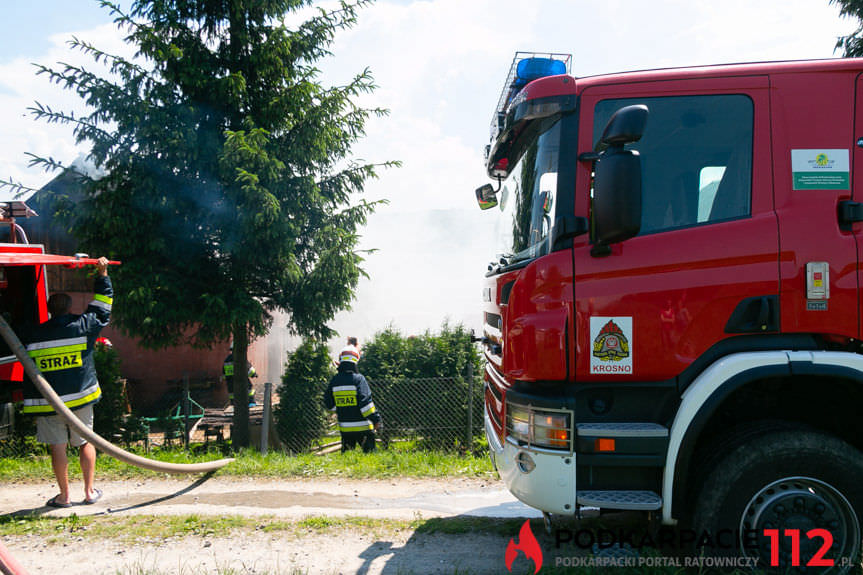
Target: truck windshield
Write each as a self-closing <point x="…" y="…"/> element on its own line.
<point x="528" y="200"/>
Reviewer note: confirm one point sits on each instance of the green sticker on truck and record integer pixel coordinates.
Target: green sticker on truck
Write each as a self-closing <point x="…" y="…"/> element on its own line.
<point x="820" y="169"/>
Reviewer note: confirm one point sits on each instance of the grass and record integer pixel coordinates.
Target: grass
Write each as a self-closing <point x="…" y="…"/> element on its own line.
<point x="131" y="529"/>
<point x="250" y="463"/>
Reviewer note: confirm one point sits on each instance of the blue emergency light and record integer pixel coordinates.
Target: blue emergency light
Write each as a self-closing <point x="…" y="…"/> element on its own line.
<point x="531" y="69"/>
<point x="526" y="67"/>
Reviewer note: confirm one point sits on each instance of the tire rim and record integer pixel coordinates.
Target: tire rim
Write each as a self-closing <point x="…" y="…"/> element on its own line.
<point x="802" y="504"/>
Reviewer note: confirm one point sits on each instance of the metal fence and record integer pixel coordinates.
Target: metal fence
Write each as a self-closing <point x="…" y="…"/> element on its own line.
<point x="429" y="413"/>
<point x="17" y="433"/>
<point x="437" y="413"/>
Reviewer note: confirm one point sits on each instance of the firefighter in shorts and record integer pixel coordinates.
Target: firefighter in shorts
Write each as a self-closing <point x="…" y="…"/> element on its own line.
<point x="62" y="349"/>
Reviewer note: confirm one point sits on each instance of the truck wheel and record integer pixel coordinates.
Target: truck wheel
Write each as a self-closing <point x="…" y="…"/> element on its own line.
<point x="791" y="481"/>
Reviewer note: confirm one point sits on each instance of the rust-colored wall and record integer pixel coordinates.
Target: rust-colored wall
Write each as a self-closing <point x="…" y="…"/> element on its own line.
<point x="149" y="373"/>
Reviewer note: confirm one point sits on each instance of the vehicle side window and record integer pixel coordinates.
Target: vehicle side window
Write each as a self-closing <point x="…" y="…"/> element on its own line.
<point x="696" y="157"/>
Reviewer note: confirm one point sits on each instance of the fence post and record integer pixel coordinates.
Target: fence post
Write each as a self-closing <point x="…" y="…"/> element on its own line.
<point x="187" y="407"/>
<point x="265" y="423"/>
<point x="469" y="436"/>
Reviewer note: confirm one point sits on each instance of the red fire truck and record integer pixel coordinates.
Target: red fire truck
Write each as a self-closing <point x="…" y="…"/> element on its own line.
<point x="673" y="321"/>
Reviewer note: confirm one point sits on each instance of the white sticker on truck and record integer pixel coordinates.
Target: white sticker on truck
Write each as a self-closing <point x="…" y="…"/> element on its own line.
<point x="820" y="169"/>
<point x="611" y="347"/>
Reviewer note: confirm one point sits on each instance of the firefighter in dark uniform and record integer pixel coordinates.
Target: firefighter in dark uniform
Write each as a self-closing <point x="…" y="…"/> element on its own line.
<point x="62" y="349"/>
<point x="350" y="396"/>
<point x="228" y="372"/>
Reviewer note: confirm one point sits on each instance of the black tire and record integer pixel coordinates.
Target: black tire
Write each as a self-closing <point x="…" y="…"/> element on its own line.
<point x="707" y="458"/>
<point x="787" y="479"/>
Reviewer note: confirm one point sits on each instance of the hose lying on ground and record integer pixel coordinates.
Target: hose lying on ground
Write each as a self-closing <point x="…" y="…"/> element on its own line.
<point x="8" y="564"/>
<point x="98" y="442"/>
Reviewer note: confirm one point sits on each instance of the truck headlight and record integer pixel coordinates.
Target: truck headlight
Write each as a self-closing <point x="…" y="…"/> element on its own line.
<point x="518" y="420"/>
<point x="539" y="427"/>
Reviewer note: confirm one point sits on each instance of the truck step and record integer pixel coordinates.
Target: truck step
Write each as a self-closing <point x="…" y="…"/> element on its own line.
<point x="623" y="429"/>
<point x="635" y="500"/>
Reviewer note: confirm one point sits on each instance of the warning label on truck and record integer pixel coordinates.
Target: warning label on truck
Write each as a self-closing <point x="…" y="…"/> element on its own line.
<point x="820" y="169"/>
<point x="611" y="351"/>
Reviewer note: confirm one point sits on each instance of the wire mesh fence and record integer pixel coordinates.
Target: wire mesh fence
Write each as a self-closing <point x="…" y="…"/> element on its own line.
<point x="432" y="413"/>
<point x="435" y="413"/>
<point x="17" y="433"/>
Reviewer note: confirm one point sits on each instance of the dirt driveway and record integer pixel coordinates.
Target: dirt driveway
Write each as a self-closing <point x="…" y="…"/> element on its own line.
<point x="400" y="551"/>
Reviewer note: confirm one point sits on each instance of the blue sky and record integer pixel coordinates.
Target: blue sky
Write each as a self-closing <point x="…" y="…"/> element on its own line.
<point x="26" y="26"/>
<point x="440" y="65"/>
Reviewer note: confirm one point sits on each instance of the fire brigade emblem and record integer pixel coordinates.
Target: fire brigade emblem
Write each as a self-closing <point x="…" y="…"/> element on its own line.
<point x="611" y="344"/>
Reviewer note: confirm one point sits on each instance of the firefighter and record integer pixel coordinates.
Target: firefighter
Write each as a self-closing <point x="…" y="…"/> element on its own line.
<point x="62" y="349"/>
<point x="228" y="372"/>
<point x="350" y="396"/>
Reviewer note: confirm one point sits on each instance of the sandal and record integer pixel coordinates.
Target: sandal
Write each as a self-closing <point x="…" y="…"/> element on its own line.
<point x="54" y="503"/>
<point x="97" y="495"/>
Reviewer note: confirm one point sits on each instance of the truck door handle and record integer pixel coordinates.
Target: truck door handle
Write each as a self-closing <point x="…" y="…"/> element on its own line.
<point x="763" y="312"/>
<point x="849" y="212"/>
<point x="759" y="314"/>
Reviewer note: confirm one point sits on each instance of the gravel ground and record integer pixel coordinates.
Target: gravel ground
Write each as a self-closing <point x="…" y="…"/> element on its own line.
<point x="350" y="551"/>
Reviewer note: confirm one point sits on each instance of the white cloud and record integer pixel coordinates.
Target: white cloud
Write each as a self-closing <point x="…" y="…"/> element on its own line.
<point x="20" y="88"/>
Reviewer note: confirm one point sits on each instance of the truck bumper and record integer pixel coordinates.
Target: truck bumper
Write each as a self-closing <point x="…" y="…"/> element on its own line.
<point x="549" y="486"/>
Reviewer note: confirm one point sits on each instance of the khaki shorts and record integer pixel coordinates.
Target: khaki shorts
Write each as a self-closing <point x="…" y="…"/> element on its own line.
<point x="53" y="430"/>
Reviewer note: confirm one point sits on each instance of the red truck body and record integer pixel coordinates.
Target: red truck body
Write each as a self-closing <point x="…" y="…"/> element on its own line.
<point x="26" y="296"/>
<point x="731" y="304"/>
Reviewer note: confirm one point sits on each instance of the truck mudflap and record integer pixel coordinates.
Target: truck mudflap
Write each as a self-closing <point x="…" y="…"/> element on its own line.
<point x="539" y="478"/>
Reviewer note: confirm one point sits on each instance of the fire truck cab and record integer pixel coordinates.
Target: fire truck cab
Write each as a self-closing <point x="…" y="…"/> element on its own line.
<point x="673" y="321"/>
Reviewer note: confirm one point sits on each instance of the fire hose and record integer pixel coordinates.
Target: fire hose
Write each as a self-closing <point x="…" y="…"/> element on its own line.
<point x="97" y="441"/>
<point x="8" y="564"/>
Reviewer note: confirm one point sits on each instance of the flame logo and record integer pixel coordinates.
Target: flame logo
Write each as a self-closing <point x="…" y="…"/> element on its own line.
<point x="528" y="544"/>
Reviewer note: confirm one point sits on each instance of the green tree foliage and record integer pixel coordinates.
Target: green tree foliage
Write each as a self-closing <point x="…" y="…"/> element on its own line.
<point x="851" y="45"/>
<point x="300" y="415"/>
<point x="396" y="367"/>
<point x="230" y="190"/>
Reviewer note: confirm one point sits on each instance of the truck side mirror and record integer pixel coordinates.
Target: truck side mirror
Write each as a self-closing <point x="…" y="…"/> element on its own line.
<point x="567" y="227"/>
<point x="486" y="197"/>
<point x="624" y="127"/>
<point x="617" y="179"/>
<point x="617" y="196"/>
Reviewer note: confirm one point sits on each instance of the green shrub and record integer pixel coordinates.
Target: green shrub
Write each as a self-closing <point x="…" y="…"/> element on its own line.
<point x="420" y="385"/>
<point x="300" y="415"/>
<point x="109" y="413"/>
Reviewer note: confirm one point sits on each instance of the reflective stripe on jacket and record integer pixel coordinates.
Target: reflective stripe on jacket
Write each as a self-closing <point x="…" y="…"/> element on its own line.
<point x="350" y="396"/>
<point x="228" y="372"/>
<point x="62" y="349"/>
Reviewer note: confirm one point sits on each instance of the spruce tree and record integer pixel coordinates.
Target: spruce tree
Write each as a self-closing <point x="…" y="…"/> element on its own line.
<point x="230" y="191"/>
<point x="852" y="44"/>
